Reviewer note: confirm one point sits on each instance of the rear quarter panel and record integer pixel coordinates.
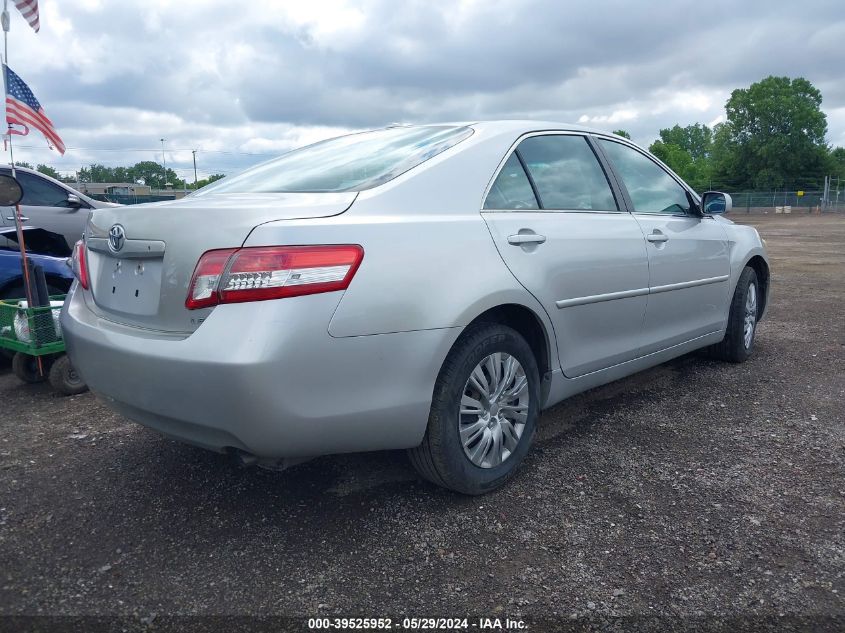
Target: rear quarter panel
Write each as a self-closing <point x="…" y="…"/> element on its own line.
<point x="429" y="259"/>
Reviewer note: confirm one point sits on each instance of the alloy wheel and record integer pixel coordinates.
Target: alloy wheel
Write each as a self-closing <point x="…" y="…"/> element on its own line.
<point x="493" y="410"/>
<point x="750" y="321"/>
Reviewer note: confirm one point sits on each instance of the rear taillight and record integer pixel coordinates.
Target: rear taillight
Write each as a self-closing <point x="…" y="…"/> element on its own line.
<point x="79" y="265"/>
<point x="271" y="272"/>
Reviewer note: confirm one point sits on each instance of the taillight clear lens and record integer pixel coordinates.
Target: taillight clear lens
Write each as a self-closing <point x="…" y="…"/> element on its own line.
<point x="79" y="265"/>
<point x="203" y="289"/>
<point x="271" y="272"/>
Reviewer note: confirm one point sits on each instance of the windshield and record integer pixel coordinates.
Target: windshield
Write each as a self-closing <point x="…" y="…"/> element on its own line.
<point x="348" y="163"/>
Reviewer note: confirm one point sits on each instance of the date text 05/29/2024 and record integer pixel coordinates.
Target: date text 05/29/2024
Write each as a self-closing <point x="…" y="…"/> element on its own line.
<point x="418" y="624"/>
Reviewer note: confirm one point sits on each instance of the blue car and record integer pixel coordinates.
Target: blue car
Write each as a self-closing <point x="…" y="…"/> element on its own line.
<point x="59" y="276"/>
<point x="44" y="250"/>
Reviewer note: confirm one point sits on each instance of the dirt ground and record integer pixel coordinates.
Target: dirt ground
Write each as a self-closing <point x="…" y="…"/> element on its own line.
<point x="696" y="494"/>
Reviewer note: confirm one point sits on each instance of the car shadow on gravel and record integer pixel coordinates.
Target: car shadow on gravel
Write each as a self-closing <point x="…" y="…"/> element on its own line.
<point x="148" y="468"/>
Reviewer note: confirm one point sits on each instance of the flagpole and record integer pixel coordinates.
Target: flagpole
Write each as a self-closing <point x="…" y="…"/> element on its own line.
<point x="27" y="282"/>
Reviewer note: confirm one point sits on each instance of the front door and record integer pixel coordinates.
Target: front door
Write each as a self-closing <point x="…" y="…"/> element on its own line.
<point x="46" y="206"/>
<point x="556" y="221"/>
<point x="689" y="258"/>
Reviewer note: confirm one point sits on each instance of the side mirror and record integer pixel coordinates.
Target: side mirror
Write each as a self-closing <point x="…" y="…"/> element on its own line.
<point x="716" y="202"/>
<point x="11" y="191"/>
<point x="73" y="200"/>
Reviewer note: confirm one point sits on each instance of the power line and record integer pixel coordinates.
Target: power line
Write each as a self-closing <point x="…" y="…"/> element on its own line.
<point x="154" y="151"/>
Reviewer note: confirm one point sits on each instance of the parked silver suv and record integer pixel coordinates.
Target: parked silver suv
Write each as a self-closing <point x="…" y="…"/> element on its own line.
<point x="426" y="287"/>
<point x="50" y="205"/>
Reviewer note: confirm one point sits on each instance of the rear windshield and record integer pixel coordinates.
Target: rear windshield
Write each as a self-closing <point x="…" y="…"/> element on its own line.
<point x="348" y="163"/>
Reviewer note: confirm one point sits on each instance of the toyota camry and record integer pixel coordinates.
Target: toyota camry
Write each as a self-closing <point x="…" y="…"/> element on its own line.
<point x="429" y="288"/>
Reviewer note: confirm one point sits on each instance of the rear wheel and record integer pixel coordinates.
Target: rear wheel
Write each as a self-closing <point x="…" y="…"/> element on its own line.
<point x="65" y="379"/>
<point x="25" y="367"/>
<point x="738" y="343"/>
<point x="483" y="413"/>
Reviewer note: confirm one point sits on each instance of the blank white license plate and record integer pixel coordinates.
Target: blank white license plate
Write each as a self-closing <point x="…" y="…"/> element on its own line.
<point x="131" y="286"/>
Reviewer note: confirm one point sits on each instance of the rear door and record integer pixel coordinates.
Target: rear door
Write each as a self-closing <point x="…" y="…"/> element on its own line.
<point x="560" y="227"/>
<point x="689" y="258"/>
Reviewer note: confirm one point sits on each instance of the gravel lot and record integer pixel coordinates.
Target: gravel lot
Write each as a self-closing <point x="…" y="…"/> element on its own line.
<point x="698" y="493"/>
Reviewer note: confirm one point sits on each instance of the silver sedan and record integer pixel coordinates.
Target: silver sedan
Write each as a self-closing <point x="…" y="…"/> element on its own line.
<point x="431" y="288"/>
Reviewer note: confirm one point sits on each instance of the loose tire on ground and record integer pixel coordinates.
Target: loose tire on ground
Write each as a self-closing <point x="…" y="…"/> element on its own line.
<point x="735" y="347"/>
<point x="25" y="367"/>
<point x="441" y="458"/>
<point x="65" y="379"/>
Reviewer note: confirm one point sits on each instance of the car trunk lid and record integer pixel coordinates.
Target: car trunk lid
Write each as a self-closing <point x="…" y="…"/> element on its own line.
<point x="140" y="258"/>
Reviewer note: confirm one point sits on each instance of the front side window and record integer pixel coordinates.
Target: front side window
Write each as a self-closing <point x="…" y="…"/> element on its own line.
<point x="38" y="192"/>
<point x="651" y="189"/>
<point x="566" y="173"/>
<point x="511" y="189"/>
<point x="347" y="163"/>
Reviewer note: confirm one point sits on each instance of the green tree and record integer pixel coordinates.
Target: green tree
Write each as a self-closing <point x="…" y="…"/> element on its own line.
<point x="207" y="181"/>
<point x="49" y="171"/>
<point x="837" y="163"/>
<point x="150" y="173"/>
<point x="686" y="150"/>
<point x="96" y="173"/>
<point x="675" y="156"/>
<point x="20" y="163"/>
<point x="622" y="133"/>
<point x="774" y="136"/>
<point x="696" y="139"/>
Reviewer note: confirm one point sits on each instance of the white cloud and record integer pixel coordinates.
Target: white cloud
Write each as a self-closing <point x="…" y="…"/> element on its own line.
<point x="239" y="81"/>
<point x="617" y="116"/>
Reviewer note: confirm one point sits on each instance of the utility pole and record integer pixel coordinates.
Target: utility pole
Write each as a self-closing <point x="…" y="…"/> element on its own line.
<point x="826" y="193"/>
<point x="194" y="152"/>
<point x="163" y="165"/>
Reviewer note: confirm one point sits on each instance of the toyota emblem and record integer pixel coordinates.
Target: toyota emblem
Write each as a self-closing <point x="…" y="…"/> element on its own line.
<point x="117" y="237"/>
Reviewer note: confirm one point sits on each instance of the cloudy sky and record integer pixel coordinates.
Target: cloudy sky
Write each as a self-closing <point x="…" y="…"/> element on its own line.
<point x="241" y="82"/>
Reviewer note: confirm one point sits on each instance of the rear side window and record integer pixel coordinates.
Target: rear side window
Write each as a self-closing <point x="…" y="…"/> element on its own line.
<point x="348" y="163"/>
<point x="511" y="189"/>
<point x="566" y="173"/>
<point x="651" y="189"/>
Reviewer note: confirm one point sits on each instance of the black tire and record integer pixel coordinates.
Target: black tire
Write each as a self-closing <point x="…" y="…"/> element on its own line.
<point x="25" y="367"/>
<point x="65" y="379"/>
<point x="733" y="348"/>
<point x="441" y="458"/>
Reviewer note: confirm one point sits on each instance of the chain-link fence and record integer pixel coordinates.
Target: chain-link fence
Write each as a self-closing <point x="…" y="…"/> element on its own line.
<point x="786" y="202"/>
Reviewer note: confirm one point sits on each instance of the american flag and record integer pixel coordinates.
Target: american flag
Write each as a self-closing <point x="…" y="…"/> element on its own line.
<point x="22" y="108"/>
<point x="29" y="10"/>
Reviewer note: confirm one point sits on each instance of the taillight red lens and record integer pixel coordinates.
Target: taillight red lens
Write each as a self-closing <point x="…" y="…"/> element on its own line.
<point x="202" y="292"/>
<point x="79" y="265"/>
<point x="271" y="272"/>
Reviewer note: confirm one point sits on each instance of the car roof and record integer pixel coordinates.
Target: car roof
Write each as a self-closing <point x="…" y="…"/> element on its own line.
<point x="58" y="183"/>
<point x="520" y="126"/>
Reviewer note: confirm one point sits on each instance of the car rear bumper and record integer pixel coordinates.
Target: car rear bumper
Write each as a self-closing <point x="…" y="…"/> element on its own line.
<point x="264" y="377"/>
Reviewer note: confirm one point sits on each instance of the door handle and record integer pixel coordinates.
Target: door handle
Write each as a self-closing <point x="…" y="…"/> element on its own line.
<point x="12" y="218"/>
<point x="657" y="237"/>
<point x="526" y="238"/>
